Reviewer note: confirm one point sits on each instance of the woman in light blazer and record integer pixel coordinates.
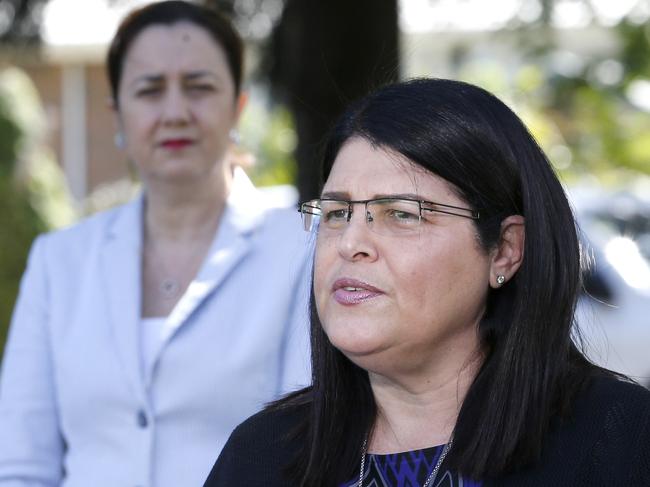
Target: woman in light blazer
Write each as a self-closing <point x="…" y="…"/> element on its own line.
<point x="144" y="334"/>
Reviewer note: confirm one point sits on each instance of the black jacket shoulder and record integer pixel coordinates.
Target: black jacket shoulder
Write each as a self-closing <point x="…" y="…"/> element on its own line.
<point x="604" y="441"/>
<point x="259" y="449"/>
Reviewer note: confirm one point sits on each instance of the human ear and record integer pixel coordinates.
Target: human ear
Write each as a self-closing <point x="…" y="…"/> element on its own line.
<point x="241" y="102"/>
<point x="119" y="137"/>
<point x="509" y="252"/>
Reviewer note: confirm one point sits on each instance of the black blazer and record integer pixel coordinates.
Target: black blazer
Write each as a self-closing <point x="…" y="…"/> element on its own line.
<point x="604" y="442"/>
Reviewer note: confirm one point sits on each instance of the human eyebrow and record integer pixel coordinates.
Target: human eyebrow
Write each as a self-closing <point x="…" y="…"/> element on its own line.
<point x="335" y="195"/>
<point x="197" y="75"/>
<point x="407" y="196"/>
<point x="147" y="79"/>
<point x="342" y="195"/>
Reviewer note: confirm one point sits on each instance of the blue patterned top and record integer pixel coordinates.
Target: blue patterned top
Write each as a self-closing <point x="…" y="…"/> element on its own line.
<point x="408" y="469"/>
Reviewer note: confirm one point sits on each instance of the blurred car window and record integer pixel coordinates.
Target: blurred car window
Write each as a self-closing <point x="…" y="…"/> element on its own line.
<point x="613" y="315"/>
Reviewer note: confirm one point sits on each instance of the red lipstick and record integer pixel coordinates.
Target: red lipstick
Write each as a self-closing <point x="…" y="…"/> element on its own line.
<point x="175" y="144"/>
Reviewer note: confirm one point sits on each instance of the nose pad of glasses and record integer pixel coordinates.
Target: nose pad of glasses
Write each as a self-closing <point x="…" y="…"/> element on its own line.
<point x="369" y="218"/>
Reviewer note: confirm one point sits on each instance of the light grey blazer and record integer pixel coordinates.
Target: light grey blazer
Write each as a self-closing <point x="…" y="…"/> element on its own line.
<point x="76" y="407"/>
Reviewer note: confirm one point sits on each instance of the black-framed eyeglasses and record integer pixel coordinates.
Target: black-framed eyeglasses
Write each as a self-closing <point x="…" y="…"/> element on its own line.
<point x="385" y="216"/>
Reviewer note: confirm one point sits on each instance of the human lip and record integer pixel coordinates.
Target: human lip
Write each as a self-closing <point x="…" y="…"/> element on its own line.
<point x="349" y="291"/>
<point x="178" y="143"/>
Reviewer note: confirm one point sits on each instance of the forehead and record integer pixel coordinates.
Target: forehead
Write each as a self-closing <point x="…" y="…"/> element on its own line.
<point x="182" y="46"/>
<point x="362" y="171"/>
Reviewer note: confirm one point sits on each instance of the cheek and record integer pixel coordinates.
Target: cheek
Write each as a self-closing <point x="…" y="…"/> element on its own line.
<point x="216" y="113"/>
<point x="323" y="263"/>
<point x="138" y="123"/>
<point x="433" y="282"/>
<point x="415" y="280"/>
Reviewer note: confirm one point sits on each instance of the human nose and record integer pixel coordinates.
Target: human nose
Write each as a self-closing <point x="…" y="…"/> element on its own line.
<point x="176" y="108"/>
<point x="356" y="241"/>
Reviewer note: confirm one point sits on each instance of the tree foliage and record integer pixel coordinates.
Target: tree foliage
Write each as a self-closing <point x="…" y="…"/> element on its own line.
<point x="32" y="189"/>
<point x="18" y="220"/>
<point x="591" y="112"/>
<point x="597" y="110"/>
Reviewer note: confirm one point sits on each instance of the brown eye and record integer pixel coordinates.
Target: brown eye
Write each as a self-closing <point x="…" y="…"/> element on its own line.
<point x="401" y="216"/>
<point x="336" y="215"/>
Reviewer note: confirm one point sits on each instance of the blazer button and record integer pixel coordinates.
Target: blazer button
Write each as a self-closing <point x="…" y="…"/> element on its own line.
<point x="142" y="420"/>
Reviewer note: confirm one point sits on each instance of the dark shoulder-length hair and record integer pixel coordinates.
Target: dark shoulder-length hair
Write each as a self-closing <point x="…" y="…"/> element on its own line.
<point x="532" y="369"/>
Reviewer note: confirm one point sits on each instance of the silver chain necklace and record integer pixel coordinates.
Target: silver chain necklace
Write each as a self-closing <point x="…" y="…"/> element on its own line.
<point x="169" y="286"/>
<point x="432" y="476"/>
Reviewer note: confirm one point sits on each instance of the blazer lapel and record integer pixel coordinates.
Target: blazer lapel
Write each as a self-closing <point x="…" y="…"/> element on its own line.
<point x="121" y="267"/>
<point x="242" y="215"/>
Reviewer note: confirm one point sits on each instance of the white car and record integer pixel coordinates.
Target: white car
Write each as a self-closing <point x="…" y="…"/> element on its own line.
<point x="613" y="315"/>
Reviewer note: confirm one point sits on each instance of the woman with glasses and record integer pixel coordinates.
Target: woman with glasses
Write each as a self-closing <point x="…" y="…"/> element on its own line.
<point x="445" y="278"/>
<point x="143" y="335"/>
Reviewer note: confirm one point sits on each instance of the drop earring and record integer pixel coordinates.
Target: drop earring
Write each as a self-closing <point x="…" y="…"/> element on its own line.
<point x="119" y="140"/>
<point x="234" y="136"/>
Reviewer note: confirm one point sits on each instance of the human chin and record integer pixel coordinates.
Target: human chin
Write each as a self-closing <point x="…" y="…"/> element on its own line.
<point x="190" y="164"/>
<point x="179" y="169"/>
<point x="354" y="334"/>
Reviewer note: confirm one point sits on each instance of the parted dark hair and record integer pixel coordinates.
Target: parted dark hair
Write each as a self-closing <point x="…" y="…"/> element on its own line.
<point x="168" y="13"/>
<point x="532" y="369"/>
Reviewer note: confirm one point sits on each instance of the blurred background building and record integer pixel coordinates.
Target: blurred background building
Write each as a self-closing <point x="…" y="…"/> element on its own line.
<point x="577" y="71"/>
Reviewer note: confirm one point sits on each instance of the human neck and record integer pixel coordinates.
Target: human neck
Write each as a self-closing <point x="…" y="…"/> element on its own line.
<point x="420" y="411"/>
<point x="178" y="212"/>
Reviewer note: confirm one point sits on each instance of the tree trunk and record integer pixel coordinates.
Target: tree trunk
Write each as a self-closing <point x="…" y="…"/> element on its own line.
<point x="325" y="54"/>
